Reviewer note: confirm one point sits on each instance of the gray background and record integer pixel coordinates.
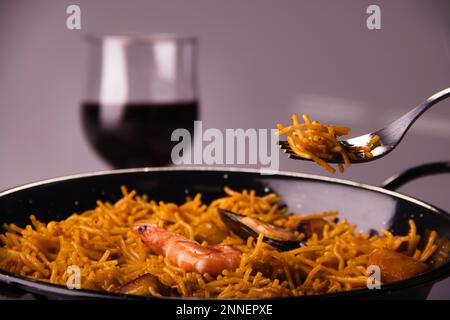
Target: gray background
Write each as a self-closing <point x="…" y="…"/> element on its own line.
<point x="259" y="62"/>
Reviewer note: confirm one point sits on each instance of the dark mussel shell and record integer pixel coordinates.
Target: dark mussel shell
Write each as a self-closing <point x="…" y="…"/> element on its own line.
<point x="245" y="227"/>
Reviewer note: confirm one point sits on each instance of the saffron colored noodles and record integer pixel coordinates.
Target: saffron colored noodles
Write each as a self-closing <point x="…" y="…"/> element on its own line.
<point x="112" y="258"/>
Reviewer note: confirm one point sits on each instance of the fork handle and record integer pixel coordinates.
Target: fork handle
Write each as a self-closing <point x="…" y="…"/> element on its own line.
<point x="408" y="119"/>
<point x="393" y="183"/>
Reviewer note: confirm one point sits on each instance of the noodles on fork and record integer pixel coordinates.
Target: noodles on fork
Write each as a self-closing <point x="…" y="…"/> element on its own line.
<point x="318" y="142"/>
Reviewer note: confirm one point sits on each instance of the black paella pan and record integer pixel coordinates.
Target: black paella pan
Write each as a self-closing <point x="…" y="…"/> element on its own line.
<point x="367" y="206"/>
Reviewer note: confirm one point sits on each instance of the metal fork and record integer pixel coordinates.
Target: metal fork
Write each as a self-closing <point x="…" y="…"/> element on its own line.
<point x="390" y="136"/>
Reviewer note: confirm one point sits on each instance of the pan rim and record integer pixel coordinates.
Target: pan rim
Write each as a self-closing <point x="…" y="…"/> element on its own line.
<point x="220" y="169"/>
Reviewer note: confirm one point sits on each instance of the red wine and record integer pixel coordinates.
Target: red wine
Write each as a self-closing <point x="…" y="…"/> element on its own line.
<point x="136" y="134"/>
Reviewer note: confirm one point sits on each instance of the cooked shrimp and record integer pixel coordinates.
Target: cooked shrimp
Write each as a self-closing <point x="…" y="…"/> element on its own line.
<point x="187" y="254"/>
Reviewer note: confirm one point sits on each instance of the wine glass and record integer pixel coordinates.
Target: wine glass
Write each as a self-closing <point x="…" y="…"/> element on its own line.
<point x="139" y="90"/>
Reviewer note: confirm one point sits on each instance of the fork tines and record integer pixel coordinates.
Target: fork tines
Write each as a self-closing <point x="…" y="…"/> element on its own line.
<point x="284" y="145"/>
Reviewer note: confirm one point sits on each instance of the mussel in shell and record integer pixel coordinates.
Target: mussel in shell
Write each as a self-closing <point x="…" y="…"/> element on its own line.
<point x="245" y="227"/>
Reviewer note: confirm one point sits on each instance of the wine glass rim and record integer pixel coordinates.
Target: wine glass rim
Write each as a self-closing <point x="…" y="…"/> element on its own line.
<point x="141" y="37"/>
